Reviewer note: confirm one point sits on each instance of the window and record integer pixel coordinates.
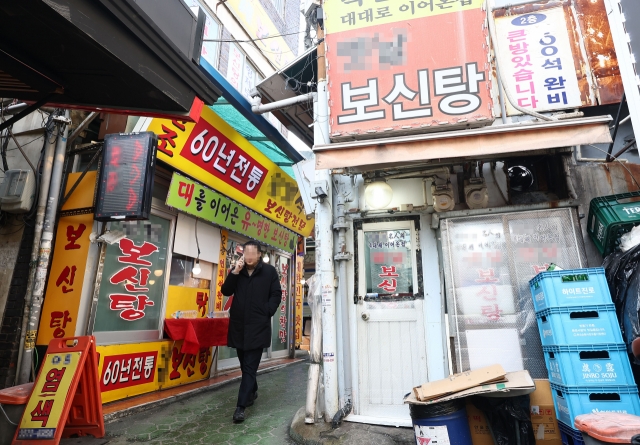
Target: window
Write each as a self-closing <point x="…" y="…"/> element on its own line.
<point x="240" y="72"/>
<point x="210" y="49"/>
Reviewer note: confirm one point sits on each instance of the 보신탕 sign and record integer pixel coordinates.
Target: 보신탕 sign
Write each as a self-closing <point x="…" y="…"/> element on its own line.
<point x="215" y="154"/>
<point x="406" y="65"/>
<point x="536" y="62"/>
<point x="192" y="198"/>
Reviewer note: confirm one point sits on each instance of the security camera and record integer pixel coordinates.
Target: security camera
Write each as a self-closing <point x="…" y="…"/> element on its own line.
<point x="320" y="190"/>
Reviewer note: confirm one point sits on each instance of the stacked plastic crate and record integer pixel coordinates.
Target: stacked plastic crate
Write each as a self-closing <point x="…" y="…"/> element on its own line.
<point x="588" y="365"/>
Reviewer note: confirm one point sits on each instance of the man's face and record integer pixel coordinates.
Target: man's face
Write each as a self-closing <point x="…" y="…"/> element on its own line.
<point x="251" y="256"/>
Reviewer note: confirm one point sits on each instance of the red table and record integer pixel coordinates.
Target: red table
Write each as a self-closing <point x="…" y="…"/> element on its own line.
<point x="197" y="332"/>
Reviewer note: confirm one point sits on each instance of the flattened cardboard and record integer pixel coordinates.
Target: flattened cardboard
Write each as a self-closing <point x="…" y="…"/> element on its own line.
<point x="459" y="382"/>
<point x="517" y="383"/>
<point x="543" y="415"/>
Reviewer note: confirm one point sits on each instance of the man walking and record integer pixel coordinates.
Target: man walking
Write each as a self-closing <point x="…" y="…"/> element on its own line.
<point x="255" y="287"/>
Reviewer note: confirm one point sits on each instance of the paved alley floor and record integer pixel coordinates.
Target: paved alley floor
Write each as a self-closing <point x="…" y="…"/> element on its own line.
<point x="206" y="418"/>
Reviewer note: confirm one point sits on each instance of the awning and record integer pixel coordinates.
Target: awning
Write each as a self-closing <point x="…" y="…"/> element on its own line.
<point x="103" y="54"/>
<point x="260" y="131"/>
<point x="299" y="77"/>
<point x="474" y="143"/>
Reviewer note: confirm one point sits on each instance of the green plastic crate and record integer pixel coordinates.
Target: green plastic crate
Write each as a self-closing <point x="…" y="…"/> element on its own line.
<point x="610" y="217"/>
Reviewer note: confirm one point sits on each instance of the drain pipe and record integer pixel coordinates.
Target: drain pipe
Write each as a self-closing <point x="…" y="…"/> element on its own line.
<point x="44" y="254"/>
<point x="344" y="346"/>
<point x="258" y="108"/>
<point x="43" y="194"/>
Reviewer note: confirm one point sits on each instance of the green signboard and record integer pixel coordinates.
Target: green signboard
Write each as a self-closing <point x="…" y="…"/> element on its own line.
<point x="195" y="199"/>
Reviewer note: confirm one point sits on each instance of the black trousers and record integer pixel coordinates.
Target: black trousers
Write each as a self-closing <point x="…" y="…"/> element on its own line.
<point x="249" y="361"/>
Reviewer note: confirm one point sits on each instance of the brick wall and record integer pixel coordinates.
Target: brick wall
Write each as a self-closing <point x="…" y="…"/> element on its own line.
<point x="289" y="24"/>
<point x="12" y="318"/>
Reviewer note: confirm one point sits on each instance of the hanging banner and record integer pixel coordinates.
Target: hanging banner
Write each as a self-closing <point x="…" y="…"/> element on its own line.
<point x="215" y="154"/>
<point x="390" y="70"/>
<point x="64" y="288"/>
<point x="190" y="197"/>
<point x="536" y="62"/>
<point x="299" y="297"/>
<point x="222" y="269"/>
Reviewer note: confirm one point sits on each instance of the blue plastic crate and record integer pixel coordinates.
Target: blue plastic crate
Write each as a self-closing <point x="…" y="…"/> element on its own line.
<point x="588" y="365"/>
<point x="570" y="436"/>
<point x="579" y="325"/>
<point x="576" y="287"/>
<point x="570" y="401"/>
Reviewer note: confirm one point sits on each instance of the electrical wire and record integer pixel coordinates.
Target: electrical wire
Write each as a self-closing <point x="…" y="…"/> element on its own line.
<point x="5" y="415"/>
<point x="251" y="40"/>
<point x="621" y="163"/>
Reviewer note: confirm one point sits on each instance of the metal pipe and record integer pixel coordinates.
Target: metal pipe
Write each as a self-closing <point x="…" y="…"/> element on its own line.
<point x="344" y="339"/>
<point x="35" y="249"/>
<point x="444" y="171"/>
<point x="257" y="108"/>
<point x="616" y="125"/>
<point x="85" y="123"/>
<point x="44" y="255"/>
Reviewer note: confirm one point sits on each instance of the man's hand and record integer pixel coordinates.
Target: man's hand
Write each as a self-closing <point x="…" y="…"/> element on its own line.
<point x="238" y="267"/>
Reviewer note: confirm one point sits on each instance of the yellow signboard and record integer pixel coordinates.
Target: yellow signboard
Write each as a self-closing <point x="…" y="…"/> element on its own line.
<point x="64" y="289"/>
<point x="222" y="269"/>
<point x="267" y="36"/>
<point x="190" y="299"/>
<point x="344" y="15"/>
<point x="215" y="154"/>
<point x="44" y="409"/>
<point x="128" y="370"/>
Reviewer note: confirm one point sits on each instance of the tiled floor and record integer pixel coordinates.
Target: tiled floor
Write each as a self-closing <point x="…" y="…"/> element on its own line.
<point x="205" y="418"/>
<point x="115" y="408"/>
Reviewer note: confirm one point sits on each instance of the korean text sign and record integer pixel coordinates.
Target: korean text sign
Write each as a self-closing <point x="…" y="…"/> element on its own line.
<point x="132" y="286"/>
<point x="536" y="61"/>
<point x="403" y="65"/>
<point x="44" y="410"/>
<point x="192" y="198"/>
<point x="215" y="154"/>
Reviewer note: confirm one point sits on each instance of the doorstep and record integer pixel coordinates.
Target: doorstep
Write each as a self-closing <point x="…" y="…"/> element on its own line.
<point x="122" y="408"/>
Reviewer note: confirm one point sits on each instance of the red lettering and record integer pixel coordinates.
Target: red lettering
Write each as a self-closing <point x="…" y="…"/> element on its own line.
<point x="133" y="253"/>
<point x="42" y="411"/>
<point x="73" y="235"/>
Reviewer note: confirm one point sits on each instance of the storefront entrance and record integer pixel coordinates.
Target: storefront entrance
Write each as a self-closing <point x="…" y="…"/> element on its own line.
<point x="390" y="323"/>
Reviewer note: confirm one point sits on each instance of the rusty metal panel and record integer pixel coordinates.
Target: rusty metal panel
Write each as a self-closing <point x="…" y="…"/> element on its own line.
<point x="406" y="67"/>
<point x="601" y="55"/>
<point x="595" y="61"/>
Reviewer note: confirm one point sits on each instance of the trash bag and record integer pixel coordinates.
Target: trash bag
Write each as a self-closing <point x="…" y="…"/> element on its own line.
<point x="635" y="440"/>
<point x="631" y="313"/>
<point x="502" y="413"/>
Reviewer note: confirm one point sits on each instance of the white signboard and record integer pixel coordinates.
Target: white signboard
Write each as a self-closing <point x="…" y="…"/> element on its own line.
<point x="536" y="62"/>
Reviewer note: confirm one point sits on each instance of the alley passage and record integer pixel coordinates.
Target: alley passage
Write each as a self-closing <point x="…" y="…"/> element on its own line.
<point x="206" y="418"/>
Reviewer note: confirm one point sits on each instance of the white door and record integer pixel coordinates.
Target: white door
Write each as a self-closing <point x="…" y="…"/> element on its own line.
<point x="392" y="356"/>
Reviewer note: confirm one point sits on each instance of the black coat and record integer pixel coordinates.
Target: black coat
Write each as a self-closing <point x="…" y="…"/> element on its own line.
<point x="256" y="299"/>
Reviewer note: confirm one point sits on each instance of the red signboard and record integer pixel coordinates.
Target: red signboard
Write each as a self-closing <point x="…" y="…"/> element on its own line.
<point x="405" y="66"/>
<point x="121" y="371"/>
<point x="212" y="151"/>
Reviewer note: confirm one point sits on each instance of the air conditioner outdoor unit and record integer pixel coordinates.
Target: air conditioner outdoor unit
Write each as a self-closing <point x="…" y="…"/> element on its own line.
<point x="17" y="191"/>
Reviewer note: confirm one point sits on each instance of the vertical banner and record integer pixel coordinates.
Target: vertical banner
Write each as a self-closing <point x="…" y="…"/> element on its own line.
<point x="222" y="269"/>
<point x="403" y="66"/>
<point x="299" y="296"/>
<point x="536" y="61"/>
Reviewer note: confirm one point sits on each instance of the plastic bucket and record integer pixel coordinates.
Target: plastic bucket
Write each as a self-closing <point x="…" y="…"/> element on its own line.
<point x="441" y="422"/>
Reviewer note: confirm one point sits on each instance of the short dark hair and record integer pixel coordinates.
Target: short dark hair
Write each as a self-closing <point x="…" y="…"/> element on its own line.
<point x="252" y="243"/>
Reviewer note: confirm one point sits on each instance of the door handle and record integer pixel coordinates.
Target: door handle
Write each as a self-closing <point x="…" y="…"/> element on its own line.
<point x="365" y="316"/>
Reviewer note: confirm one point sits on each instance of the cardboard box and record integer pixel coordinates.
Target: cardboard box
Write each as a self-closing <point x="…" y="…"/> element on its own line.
<point x="516" y="383"/>
<point x="543" y="415"/>
<point x="480" y="433"/>
<point x="459" y="382"/>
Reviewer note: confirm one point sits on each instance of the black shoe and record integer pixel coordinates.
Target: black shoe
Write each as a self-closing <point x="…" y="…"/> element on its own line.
<point x="238" y="416"/>
<point x="255" y="396"/>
